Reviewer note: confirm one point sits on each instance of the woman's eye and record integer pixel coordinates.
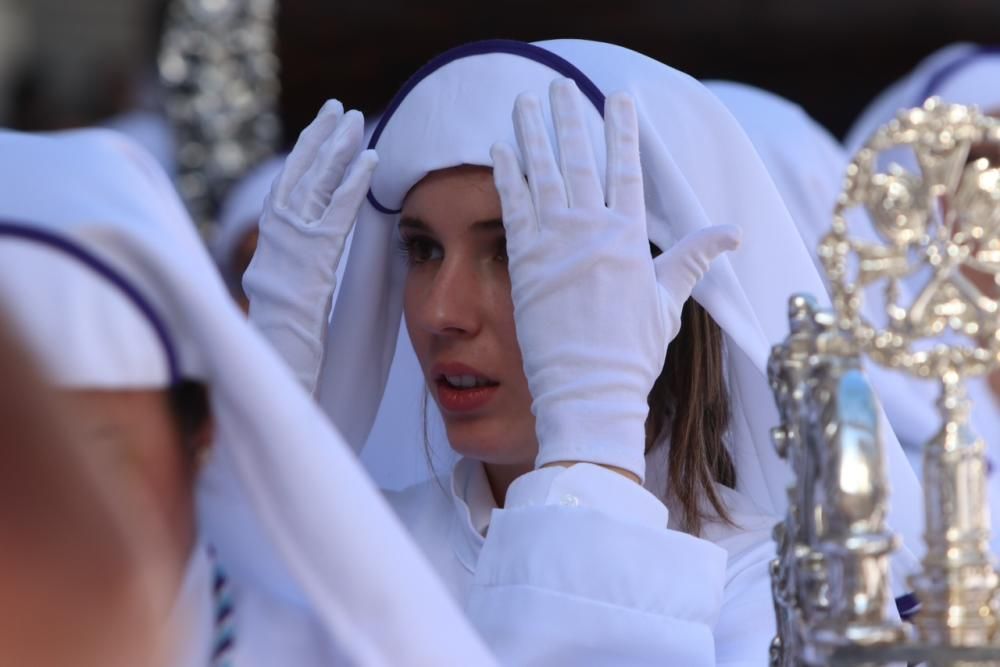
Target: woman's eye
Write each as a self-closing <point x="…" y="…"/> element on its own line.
<point x="420" y="249"/>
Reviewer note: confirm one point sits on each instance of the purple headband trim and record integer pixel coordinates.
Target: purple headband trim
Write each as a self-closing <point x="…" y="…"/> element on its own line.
<point x="907" y="605"/>
<point x="946" y="72"/>
<point x="513" y="47"/>
<point x="103" y="269"/>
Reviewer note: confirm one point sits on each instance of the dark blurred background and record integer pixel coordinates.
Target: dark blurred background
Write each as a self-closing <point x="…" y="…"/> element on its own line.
<point x="72" y="63"/>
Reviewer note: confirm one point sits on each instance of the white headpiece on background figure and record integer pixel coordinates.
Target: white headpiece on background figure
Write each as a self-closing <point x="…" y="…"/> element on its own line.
<point x="284" y="502"/>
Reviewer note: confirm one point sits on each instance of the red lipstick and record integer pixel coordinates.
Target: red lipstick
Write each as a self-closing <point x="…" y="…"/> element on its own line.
<point x="461" y="388"/>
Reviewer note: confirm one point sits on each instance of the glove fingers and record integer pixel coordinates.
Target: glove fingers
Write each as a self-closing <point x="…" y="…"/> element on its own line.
<point x="305" y="149"/>
<point x="515" y="197"/>
<point x="347" y="200"/>
<point x="679" y="269"/>
<point x="544" y="179"/>
<point x="312" y="194"/>
<point x="576" y="155"/>
<point x="624" y="175"/>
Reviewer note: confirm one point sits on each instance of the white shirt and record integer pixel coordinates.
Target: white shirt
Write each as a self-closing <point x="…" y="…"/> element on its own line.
<point x="580" y="568"/>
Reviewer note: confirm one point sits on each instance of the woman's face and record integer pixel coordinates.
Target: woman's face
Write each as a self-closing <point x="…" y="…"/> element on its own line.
<point x="132" y="435"/>
<point x="460" y="315"/>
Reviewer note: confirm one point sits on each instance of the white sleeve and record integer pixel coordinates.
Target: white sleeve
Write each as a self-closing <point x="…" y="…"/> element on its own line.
<point x="580" y="569"/>
<point x="747" y="625"/>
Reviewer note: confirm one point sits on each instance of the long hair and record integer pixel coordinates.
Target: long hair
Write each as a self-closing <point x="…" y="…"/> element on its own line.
<point x="690" y="399"/>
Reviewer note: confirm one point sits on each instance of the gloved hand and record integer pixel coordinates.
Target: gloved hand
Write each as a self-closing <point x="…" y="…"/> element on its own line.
<point x="594" y="312"/>
<point x="307" y="217"/>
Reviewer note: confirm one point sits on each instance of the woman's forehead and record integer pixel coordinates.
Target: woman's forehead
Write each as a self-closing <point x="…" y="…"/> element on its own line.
<point x="461" y="192"/>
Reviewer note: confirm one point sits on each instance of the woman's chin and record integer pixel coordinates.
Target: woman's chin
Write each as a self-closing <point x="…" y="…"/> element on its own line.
<point x="493" y="440"/>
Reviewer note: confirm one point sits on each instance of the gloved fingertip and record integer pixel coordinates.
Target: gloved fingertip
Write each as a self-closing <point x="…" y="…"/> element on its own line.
<point x="500" y="152"/>
<point x="563" y="89"/>
<point x="360" y="169"/>
<point x="619" y="102"/>
<point x="350" y="127"/>
<point x="732" y="237"/>
<point x="354" y="116"/>
<point x="368" y="159"/>
<point x="733" y="230"/>
<point x="527" y="102"/>
<point x="331" y="106"/>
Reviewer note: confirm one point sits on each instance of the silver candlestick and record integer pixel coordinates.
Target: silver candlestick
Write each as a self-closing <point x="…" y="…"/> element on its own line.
<point x="830" y="578"/>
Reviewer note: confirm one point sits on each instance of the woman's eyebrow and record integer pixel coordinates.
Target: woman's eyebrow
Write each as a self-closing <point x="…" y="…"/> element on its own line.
<point x="413" y="223"/>
<point x="490" y="225"/>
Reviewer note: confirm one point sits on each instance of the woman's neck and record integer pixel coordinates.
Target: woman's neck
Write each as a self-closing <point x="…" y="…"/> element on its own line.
<point x="501" y="476"/>
<point x="169" y="535"/>
<point x="183" y="534"/>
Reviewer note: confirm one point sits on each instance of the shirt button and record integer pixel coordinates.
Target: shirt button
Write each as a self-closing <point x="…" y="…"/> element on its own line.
<point x="569" y="500"/>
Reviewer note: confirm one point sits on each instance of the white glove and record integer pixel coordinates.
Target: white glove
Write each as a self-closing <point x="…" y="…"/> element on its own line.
<point x="594" y="312"/>
<point x="307" y="217"/>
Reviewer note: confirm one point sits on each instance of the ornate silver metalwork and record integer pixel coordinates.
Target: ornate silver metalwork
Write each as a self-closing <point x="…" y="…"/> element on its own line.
<point x="905" y="246"/>
<point x="830" y="578"/>
<point x="219" y="67"/>
<point x="931" y="229"/>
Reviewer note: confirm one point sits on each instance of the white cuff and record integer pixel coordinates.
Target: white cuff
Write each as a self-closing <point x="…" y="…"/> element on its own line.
<point x="591" y="486"/>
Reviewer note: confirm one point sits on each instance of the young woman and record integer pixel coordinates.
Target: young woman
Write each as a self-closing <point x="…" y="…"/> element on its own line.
<point x="541" y="323"/>
<point x="292" y="556"/>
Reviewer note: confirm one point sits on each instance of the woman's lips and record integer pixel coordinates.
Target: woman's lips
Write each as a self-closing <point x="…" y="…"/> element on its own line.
<point x="451" y="399"/>
<point x="461" y="388"/>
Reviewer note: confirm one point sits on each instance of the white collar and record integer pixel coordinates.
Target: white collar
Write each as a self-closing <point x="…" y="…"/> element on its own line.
<point x="474" y="505"/>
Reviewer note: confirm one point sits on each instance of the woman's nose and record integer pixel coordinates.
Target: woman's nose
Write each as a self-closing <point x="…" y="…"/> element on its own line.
<point x="451" y="304"/>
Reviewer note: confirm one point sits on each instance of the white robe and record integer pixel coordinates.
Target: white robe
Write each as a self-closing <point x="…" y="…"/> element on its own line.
<point x="266" y="631"/>
<point x="539" y="589"/>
